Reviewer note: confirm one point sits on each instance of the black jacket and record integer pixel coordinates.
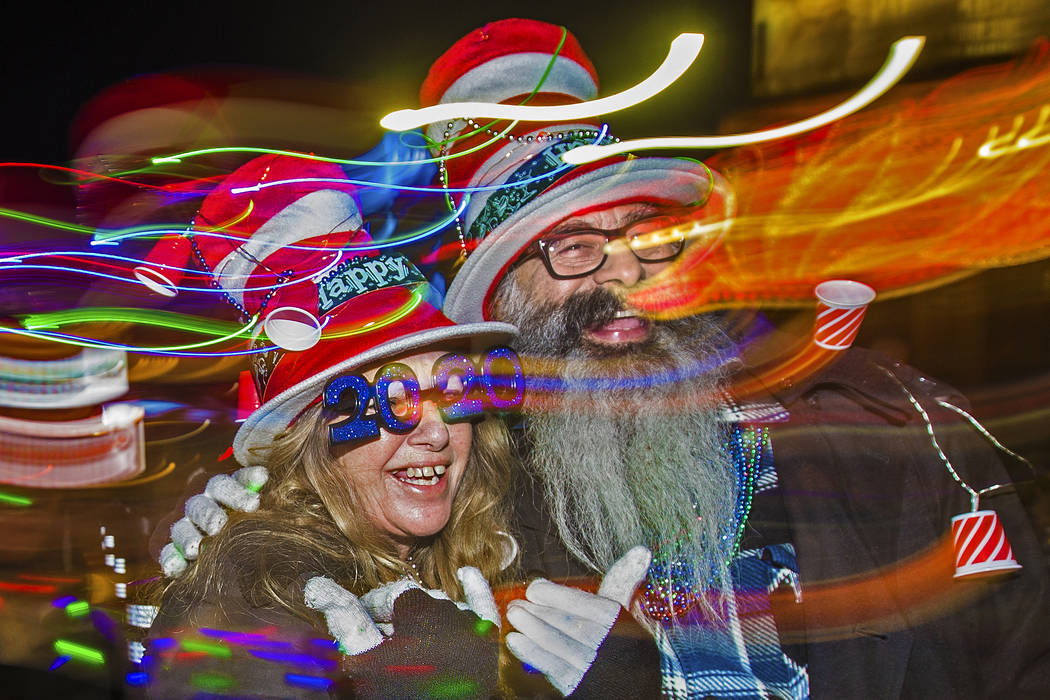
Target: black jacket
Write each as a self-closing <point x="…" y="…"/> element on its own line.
<point x="869" y="502"/>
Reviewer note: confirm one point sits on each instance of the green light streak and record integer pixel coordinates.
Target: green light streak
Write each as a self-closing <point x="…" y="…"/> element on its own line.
<point x="78" y="608"/>
<point x="379" y="323"/>
<point x="177" y="157"/>
<point x="79" y="652"/>
<point x="15" y="500"/>
<point x="482" y="627"/>
<point x="99" y="234"/>
<point x="91" y="343"/>
<point x="212" y="681"/>
<point x="158" y="231"/>
<point x="120" y="314"/>
<point x="209" y="648"/>
<point x="452" y="688"/>
<point x="528" y="98"/>
<point x="45" y="221"/>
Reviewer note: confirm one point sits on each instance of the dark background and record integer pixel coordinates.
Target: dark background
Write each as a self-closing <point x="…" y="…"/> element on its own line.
<point x="55" y="60"/>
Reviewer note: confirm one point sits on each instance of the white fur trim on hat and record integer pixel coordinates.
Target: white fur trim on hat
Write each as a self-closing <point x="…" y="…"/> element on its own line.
<point x="516" y="74"/>
<point x="314" y="214"/>
<point x="255" y="437"/>
<point x="672" y="179"/>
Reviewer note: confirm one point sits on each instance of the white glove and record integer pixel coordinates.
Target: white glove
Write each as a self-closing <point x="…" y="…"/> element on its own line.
<point x="347" y="619"/>
<point x="239" y="492"/>
<point x="358" y="624"/>
<point x="559" y="629"/>
<point x="428" y="633"/>
<point x="344" y="614"/>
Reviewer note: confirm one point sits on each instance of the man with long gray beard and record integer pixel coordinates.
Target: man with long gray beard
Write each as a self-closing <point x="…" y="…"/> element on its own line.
<point x="824" y="570"/>
<point x="635" y="438"/>
<point x="628" y="445"/>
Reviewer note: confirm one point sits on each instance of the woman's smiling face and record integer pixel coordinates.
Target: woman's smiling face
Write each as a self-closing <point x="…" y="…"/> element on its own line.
<point x="407" y="482"/>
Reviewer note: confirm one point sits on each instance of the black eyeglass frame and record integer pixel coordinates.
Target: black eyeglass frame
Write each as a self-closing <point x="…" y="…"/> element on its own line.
<point x="538" y="248"/>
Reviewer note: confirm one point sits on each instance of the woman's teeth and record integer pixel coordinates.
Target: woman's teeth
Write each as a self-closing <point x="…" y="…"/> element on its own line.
<point x="424" y="476"/>
<point x="425" y="471"/>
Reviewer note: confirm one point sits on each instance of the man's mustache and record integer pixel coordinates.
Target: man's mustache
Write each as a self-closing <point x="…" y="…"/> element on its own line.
<point x="586" y="310"/>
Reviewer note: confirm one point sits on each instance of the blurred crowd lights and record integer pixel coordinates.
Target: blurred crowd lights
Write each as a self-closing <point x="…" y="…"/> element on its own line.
<point x="100" y="449"/>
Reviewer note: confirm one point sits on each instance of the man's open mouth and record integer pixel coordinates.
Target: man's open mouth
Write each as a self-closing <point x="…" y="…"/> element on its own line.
<point x="625" y="327"/>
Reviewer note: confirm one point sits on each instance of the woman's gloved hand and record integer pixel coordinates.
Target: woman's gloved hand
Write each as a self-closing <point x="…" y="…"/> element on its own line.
<point x="433" y="647"/>
<point x="238" y="492"/>
<point x="588" y="645"/>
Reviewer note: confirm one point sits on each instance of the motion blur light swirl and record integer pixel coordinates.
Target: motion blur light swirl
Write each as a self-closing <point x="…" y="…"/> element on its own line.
<point x="902" y="56"/>
<point x="684" y="50"/>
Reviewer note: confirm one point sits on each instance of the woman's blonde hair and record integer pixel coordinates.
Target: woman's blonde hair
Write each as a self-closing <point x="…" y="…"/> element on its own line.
<point x="310" y="522"/>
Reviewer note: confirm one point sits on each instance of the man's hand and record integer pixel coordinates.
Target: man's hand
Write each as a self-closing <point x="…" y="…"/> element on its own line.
<point x="560" y="629"/>
<point x="239" y="492"/>
<point x="432" y="647"/>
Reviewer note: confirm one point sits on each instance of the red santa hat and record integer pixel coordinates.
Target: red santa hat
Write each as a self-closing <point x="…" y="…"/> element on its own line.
<point x="388" y="322"/>
<point x="526" y="188"/>
<point x="265" y="246"/>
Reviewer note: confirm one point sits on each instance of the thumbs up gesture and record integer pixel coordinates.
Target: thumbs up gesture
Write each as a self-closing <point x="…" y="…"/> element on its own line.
<point x="587" y="644"/>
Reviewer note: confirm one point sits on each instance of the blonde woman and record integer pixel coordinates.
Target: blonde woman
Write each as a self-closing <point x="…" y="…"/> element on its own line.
<point x="363" y="565"/>
<point x="385" y="480"/>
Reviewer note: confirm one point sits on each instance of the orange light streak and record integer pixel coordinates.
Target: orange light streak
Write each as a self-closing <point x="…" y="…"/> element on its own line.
<point x="905" y="196"/>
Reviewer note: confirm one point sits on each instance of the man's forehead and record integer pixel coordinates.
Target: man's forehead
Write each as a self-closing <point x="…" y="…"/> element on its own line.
<point x="608" y="218"/>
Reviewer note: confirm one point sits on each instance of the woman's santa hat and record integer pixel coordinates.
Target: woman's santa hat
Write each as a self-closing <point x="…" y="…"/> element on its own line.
<point x="295" y="254"/>
<point x="263" y="246"/>
<point x="526" y="187"/>
<point x="385" y="323"/>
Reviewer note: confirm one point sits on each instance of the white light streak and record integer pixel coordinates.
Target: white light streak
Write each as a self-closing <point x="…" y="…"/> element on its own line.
<point x="902" y="56"/>
<point x="684" y="50"/>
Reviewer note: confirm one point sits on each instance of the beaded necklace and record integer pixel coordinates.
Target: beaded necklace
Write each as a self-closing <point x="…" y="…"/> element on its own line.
<point x="411" y="569"/>
<point x="580" y="135"/>
<point x="670" y="585"/>
<point x="282" y="277"/>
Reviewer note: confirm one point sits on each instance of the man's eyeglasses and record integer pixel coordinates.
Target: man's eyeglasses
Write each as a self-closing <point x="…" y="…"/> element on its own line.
<point x="580" y="252"/>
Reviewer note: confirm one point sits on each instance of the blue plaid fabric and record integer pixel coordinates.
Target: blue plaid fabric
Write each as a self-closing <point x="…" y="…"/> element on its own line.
<point x="739" y="656"/>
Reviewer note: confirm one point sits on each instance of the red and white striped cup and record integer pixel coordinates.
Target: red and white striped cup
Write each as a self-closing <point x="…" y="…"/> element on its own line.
<point x="840" y="308"/>
<point x="980" y="545"/>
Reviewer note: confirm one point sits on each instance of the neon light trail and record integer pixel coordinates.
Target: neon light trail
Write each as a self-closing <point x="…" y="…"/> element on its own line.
<point x="684" y="50"/>
<point x="902" y="56"/>
<point x="904" y="197"/>
<point x="100" y="314"/>
<point x="13" y="500"/>
<point x="79" y="652"/>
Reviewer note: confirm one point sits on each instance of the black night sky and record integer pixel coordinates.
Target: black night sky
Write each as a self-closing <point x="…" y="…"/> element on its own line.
<point x="58" y="59"/>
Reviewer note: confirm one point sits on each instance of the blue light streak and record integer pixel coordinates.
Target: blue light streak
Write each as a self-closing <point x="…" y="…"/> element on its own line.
<point x="409" y="188"/>
<point x="311" y="682"/>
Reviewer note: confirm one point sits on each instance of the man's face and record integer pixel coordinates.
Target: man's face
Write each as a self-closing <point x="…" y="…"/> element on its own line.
<point x="625" y="435"/>
<point x="621" y="269"/>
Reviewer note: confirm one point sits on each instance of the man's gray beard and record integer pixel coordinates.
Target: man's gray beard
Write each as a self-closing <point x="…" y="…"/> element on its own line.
<point x="642" y="462"/>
